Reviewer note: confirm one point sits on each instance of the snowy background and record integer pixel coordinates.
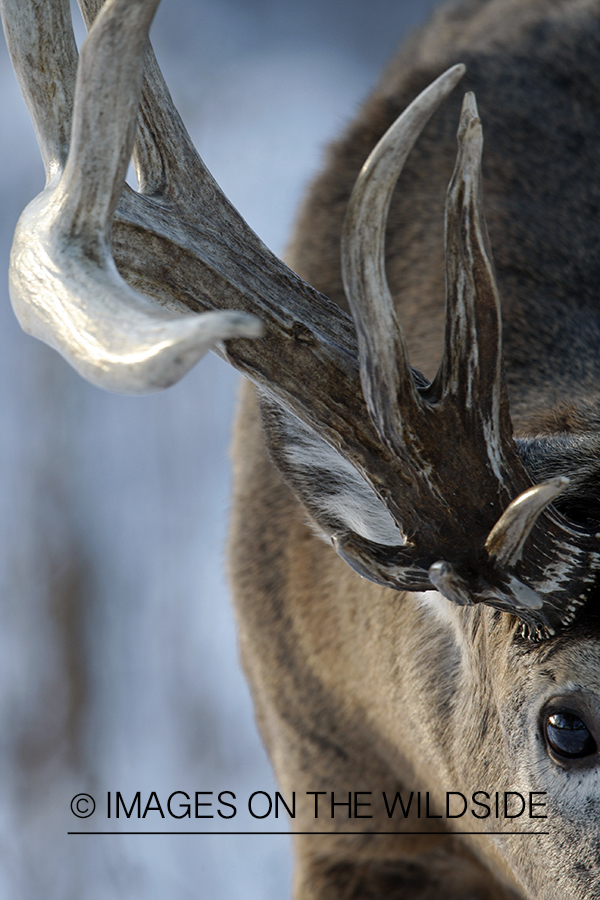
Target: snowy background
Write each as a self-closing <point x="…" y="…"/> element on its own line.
<point x="118" y="657"/>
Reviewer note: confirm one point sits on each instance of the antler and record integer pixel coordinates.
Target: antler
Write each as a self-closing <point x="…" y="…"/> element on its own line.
<point x="179" y="242"/>
<point x="64" y="286"/>
<point x="466" y="406"/>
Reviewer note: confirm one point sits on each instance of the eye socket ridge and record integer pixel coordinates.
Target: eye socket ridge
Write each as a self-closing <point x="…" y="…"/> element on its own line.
<point x="567" y="735"/>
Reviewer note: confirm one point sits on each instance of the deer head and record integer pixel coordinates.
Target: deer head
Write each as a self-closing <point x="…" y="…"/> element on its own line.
<point x="419" y="486"/>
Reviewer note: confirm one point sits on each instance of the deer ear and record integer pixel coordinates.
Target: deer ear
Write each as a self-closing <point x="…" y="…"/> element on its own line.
<point x="335" y="495"/>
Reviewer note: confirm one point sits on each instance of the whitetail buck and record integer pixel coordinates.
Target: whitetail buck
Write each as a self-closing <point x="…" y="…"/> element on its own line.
<point x="468" y="658"/>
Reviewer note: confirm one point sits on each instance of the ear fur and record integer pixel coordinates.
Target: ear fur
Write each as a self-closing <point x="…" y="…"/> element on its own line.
<point x="332" y="491"/>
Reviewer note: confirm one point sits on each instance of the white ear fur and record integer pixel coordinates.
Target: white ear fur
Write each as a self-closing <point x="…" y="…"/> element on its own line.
<point x="335" y="495"/>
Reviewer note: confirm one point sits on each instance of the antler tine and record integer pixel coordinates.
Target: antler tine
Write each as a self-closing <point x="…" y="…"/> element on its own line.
<point x="166" y="160"/>
<point x="106" y="103"/>
<point x="386" y="378"/>
<point x="43" y="31"/>
<point x="471" y="368"/>
<point x="506" y="539"/>
<point x="64" y="284"/>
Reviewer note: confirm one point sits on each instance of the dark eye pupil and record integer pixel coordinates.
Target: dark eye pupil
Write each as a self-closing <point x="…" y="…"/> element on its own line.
<point x="568" y="736"/>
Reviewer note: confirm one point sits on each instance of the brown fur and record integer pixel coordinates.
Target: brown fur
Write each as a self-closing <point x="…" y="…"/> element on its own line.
<point x="357" y="687"/>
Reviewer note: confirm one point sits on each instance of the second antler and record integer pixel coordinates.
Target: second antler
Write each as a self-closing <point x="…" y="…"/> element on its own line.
<point x="179" y="245"/>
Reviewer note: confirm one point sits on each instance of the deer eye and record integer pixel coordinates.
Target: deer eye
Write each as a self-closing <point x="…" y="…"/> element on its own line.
<point x="568" y="736"/>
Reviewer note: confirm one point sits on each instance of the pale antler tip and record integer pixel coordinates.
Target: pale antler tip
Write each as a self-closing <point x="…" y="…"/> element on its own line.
<point x="231" y="324"/>
<point x="469" y="129"/>
<point x="469" y="105"/>
<point x="455" y="73"/>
